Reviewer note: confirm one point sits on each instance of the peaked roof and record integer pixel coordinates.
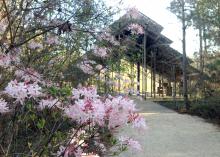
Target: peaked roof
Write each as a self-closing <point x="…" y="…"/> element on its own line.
<point x="155" y="40"/>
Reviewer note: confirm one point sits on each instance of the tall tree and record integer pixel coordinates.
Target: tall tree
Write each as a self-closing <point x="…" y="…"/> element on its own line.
<point x="206" y="18"/>
<point x="181" y="8"/>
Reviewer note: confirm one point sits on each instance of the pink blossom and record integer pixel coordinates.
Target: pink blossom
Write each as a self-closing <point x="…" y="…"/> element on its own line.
<point x="60" y="151"/>
<point x="86" y="68"/>
<point x="104" y="70"/>
<point x="136" y="28"/>
<point x="86" y="110"/>
<point x="108" y="37"/>
<point x="52" y="40"/>
<point x="134" y="144"/>
<point x="22" y="90"/>
<point x="133" y="13"/>
<point x="101" y="146"/>
<point x="130" y="142"/>
<point x="34" y="90"/>
<point x="78" y="152"/>
<point x="28" y="75"/>
<point x="87" y="106"/>
<point x="3" y="106"/>
<point x="5" y="60"/>
<point x="98" y="67"/>
<point x="85" y="92"/>
<point x="71" y="150"/>
<point x="139" y="123"/>
<point x="101" y="52"/>
<point x="118" y="110"/>
<point x="35" y="45"/>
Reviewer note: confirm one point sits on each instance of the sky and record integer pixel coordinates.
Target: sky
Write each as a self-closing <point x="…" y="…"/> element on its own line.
<point x="157" y="10"/>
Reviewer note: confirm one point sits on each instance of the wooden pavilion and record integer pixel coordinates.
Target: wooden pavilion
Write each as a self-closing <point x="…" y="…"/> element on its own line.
<point x="158" y="60"/>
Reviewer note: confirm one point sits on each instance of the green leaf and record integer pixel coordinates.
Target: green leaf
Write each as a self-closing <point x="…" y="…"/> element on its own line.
<point x="41" y="123"/>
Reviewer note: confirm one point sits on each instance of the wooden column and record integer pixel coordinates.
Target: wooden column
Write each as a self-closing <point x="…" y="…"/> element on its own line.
<point x="174" y="84"/>
<point x="162" y="82"/>
<point x="145" y="67"/>
<point x="119" y="79"/>
<point x="112" y="84"/>
<point x="154" y="74"/>
<point x="151" y="75"/>
<point x="138" y="77"/>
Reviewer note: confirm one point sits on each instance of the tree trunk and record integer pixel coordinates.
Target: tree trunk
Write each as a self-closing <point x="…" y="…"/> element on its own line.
<point x="185" y="88"/>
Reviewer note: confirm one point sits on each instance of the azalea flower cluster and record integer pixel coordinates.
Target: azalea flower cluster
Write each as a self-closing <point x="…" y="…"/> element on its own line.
<point x="22" y="90"/>
<point x="86" y="108"/>
<point x="3" y="106"/>
<point x="101" y="52"/>
<point x="107" y="36"/>
<point x="133" y="13"/>
<point x="86" y="67"/>
<point x="90" y="66"/>
<point x="7" y="59"/>
<point x="28" y="75"/>
<point x="111" y="112"/>
<point x="136" y="28"/>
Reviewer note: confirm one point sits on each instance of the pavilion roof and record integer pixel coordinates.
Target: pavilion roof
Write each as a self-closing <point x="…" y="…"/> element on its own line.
<point x="166" y="56"/>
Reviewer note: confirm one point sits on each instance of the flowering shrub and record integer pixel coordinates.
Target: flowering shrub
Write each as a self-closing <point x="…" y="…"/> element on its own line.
<point x="91" y="120"/>
<point x="40" y="113"/>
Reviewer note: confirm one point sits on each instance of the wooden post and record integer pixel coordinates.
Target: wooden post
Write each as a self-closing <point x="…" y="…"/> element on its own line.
<point x="151" y="75"/>
<point x="174" y="85"/>
<point x="132" y="76"/>
<point x="154" y="74"/>
<point x="142" y="76"/>
<point x="119" y="79"/>
<point x="145" y="67"/>
<point x="138" y="76"/>
<point x="112" y="78"/>
<point x="162" y="82"/>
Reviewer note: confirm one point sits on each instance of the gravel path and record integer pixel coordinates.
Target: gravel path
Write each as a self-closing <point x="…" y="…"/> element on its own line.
<point x="171" y="134"/>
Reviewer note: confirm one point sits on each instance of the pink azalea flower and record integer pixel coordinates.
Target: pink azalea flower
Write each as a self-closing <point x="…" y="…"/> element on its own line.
<point x="86" y="92"/>
<point x="108" y="37"/>
<point x="136" y="28"/>
<point x="22" y="90"/>
<point x="134" y="144"/>
<point x="130" y="142"/>
<point x="133" y="13"/>
<point x="101" y="52"/>
<point x="28" y="75"/>
<point x="3" y="106"/>
<point x="85" y="110"/>
<point x="5" y="60"/>
<point x="86" y="68"/>
<point x="48" y="103"/>
<point x="118" y="110"/>
<point x="139" y="123"/>
<point x="98" y="67"/>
